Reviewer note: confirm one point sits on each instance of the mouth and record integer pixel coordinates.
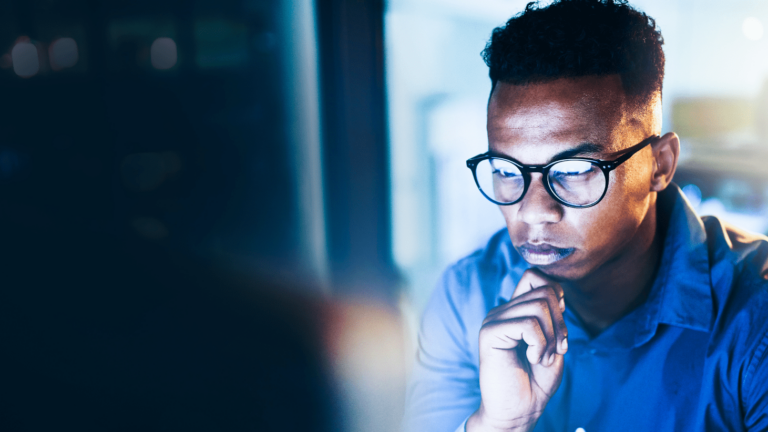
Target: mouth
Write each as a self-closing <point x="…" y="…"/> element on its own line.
<point x="543" y="254"/>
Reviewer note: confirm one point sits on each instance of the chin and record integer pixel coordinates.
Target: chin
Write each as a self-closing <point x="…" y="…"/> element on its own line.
<point x="569" y="269"/>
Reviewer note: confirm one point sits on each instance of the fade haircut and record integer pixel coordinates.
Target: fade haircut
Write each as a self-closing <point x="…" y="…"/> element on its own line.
<point x="575" y="38"/>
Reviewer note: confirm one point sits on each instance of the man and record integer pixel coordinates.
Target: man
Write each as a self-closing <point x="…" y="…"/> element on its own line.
<point x="607" y="304"/>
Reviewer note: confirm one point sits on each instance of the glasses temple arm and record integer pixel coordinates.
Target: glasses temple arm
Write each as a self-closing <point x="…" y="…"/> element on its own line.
<point x="623" y="158"/>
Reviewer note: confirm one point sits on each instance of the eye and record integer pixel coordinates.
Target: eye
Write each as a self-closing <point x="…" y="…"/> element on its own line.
<point x="504" y="169"/>
<point x="504" y="173"/>
<point x="572" y="169"/>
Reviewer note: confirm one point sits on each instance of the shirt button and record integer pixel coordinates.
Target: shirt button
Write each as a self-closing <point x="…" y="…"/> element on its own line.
<point x="580" y="429"/>
<point x="592" y="351"/>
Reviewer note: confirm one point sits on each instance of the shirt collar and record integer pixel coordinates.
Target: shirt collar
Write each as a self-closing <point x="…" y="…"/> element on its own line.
<point x="683" y="278"/>
<point x="681" y="294"/>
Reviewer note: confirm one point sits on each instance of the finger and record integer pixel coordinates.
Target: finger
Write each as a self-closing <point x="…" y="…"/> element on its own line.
<point x="532" y="279"/>
<point x="556" y="303"/>
<point x="508" y="334"/>
<point x="498" y="308"/>
<point x="539" y="308"/>
<point x="547" y="292"/>
<point x="543" y="304"/>
<point x="555" y="307"/>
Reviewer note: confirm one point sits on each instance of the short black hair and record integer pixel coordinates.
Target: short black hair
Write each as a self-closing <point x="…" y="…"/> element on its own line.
<point x="575" y="38"/>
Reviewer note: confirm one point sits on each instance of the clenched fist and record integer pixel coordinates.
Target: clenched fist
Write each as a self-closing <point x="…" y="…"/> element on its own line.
<point x="522" y="343"/>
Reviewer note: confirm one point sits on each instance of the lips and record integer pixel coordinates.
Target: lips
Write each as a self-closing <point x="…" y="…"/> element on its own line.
<point x="543" y="254"/>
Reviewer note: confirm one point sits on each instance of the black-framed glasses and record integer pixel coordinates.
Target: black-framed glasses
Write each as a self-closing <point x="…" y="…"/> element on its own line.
<point x="574" y="182"/>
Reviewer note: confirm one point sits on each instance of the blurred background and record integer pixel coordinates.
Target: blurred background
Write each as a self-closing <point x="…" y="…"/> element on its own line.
<point x="222" y="214"/>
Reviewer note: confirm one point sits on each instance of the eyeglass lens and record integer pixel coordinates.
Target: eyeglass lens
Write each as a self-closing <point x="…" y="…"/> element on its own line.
<point x="578" y="183"/>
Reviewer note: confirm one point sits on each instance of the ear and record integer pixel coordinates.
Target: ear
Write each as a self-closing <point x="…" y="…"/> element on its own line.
<point x="665" y="153"/>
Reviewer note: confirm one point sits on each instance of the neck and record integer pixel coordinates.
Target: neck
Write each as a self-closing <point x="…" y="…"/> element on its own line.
<point x="621" y="284"/>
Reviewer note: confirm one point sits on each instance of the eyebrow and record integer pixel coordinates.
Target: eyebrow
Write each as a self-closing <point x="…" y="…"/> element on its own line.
<point x="579" y="149"/>
<point x="571" y="152"/>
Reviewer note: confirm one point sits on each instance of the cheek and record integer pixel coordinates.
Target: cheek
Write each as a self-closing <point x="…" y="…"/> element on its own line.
<point x="634" y="177"/>
<point x="617" y="218"/>
<point x="515" y="228"/>
<point x="510" y="215"/>
<point x="591" y="226"/>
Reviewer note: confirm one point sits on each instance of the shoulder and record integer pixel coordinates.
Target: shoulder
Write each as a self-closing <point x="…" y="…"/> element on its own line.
<point x="472" y="286"/>
<point x="465" y="293"/>
<point x="739" y="276"/>
<point x="482" y="272"/>
<point x="738" y="267"/>
<point x="746" y="250"/>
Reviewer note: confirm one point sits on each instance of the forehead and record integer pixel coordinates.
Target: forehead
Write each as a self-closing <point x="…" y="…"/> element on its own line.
<point x="556" y="115"/>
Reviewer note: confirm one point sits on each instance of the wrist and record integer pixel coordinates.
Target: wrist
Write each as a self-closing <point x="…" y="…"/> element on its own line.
<point x="479" y="421"/>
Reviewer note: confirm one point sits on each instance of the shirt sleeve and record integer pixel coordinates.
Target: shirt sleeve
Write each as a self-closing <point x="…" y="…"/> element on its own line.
<point x="444" y="388"/>
<point x="756" y="397"/>
<point x="463" y="426"/>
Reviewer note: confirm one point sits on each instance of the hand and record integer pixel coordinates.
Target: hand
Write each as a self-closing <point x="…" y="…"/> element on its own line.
<point x="522" y="343"/>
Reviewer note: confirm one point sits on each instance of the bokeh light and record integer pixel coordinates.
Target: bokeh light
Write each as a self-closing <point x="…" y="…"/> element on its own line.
<point x="26" y="62"/>
<point x="693" y="194"/>
<point x="163" y="53"/>
<point x="752" y="28"/>
<point x="63" y="53"/>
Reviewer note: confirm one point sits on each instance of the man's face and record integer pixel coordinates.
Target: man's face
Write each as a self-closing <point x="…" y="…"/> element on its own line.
<point x="534" y="125"/>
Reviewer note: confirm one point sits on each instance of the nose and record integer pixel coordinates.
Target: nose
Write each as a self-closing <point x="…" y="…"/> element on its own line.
<point x="538" y="206"/>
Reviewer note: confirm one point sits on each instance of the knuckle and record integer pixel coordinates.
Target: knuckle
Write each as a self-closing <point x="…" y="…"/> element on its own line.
<point x="533" y="324"/>
<point x="552" y="292"/>
<point x="529" y="276"/>
<point x="484" y="333"/>
<point x="486" y="328"/>
<point x="492" y="327"/>
<point x="541" y="303"/>
<point x="497" y="309"/>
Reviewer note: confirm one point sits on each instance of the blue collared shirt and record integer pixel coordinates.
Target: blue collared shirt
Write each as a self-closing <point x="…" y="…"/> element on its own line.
<point x="692" y="357"/>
